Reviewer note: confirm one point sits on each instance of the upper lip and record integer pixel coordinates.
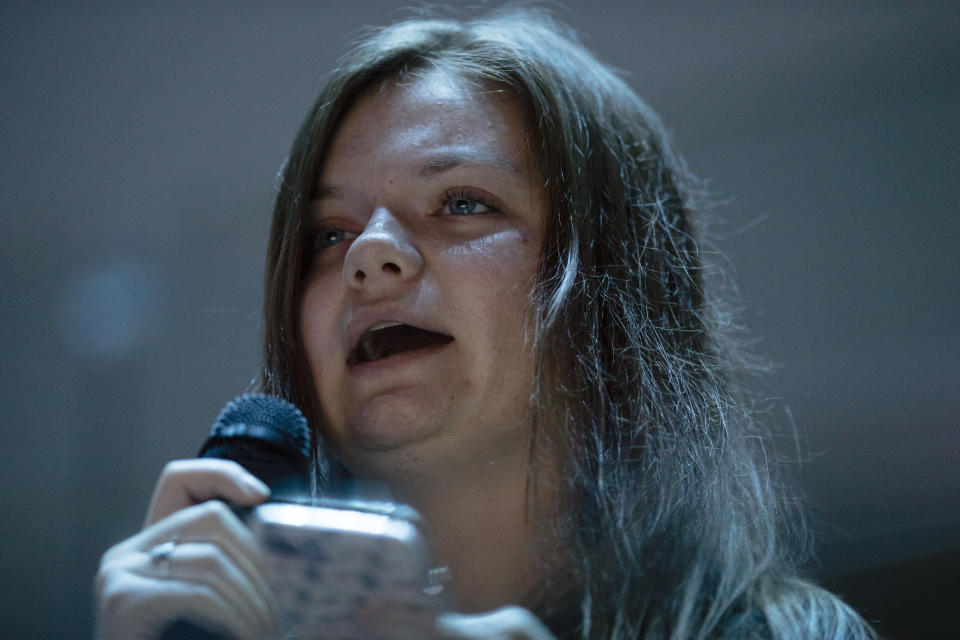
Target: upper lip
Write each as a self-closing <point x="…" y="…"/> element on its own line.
<point x="361" y="322"/>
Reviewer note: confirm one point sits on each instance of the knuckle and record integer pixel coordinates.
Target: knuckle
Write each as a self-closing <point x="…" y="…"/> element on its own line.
<point x="113" y="564"/>
<point x="173" y="467"/>
<point x="209" y="558"/>
<point x="217" y="511"/>
<point x="173" y="470"/>
<point x="113" y="597"/>
<point x="109" y="557"/>
<point x="216" y="516"/>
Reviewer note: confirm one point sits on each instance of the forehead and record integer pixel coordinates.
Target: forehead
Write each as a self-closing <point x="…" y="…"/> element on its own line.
<point x="425" y="117"/>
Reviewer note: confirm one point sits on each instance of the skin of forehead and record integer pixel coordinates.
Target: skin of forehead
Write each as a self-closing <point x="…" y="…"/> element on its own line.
<point x="447" y="98"/>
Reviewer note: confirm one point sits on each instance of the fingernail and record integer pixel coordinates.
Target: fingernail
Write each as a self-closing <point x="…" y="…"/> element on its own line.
<point x="254" y="486"/>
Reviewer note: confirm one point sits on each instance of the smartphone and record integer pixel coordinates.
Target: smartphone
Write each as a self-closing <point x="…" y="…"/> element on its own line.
<point x="325" y="560"/>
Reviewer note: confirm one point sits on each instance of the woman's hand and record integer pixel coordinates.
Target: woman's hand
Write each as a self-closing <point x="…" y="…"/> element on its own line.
<point x="385" y="620"/>
<point x="506" y="623"/>
<point x="194" y="561"/>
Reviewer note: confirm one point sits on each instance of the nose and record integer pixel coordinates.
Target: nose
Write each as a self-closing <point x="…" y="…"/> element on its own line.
<point x="381" y="257"/>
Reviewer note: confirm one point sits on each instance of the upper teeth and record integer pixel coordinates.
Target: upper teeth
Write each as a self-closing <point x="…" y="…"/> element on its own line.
<point x="370" y="348"/>
<point x="383" y="325"/>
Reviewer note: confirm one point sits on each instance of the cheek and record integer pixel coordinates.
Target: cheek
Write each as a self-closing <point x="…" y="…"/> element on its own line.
<point x="316" y="325"/>
<point x="495" y="284"/>
<point x="321" y="343"/>
<point x="503" y="257"/>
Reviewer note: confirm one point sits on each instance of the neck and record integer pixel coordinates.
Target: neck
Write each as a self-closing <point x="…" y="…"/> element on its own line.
<point x="482" y="533"/>
<point x="481" y="523"/>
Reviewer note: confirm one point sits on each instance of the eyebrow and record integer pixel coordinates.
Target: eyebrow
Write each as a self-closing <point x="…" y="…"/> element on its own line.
<point x="324" y="192"/>
<point x="448" y="161"/>
<point x="433" y="166"/>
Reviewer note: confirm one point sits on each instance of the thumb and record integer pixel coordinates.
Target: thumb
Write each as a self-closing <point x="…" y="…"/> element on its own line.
<point x="184" y="483"/>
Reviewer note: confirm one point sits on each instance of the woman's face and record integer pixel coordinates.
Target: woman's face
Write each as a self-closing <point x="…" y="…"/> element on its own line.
<point x="425" y="240"/>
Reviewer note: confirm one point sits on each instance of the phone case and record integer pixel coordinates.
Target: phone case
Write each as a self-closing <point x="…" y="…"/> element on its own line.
<point x="325" y="561"/>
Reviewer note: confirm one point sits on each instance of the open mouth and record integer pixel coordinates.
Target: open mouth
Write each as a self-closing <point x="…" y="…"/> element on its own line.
<point x="387" y="339"/>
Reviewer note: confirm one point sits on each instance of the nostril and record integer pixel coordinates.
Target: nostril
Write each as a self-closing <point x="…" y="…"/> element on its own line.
<point x="391" y="267"/>
<point x="359" y="275"/>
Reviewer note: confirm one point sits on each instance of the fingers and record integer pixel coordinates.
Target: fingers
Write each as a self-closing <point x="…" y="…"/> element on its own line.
<point x="203" y="570"/>
<point x="135" y="606"/>
<point x="388" y="619"/>
<point x="211" y="522"/>
<point x="184" y="483"/>
<point x="507" y="623"/>
<point x="211" y="574"/>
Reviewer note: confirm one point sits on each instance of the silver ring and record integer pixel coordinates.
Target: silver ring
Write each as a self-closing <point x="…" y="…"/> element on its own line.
<point x="160" y="554"/>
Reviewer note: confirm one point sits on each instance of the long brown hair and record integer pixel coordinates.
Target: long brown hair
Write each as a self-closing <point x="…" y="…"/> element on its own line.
<point x="673" y="521"/>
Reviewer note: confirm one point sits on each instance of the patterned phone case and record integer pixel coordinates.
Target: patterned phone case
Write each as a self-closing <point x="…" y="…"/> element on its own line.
<point x="323" y="563"/>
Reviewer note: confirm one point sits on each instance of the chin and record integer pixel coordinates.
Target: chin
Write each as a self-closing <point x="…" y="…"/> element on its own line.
<point x="398" y="461"/>
<point x="385" y="425"/>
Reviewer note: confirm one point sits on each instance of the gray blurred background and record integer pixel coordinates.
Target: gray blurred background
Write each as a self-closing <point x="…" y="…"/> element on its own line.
<point x="140" y="143"/>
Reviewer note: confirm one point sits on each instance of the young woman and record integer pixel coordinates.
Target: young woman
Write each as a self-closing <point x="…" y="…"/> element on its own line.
<point x="484" y="289"/>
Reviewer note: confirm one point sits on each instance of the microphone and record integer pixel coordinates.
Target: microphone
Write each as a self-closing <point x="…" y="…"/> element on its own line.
<point x="270" y="438"/>
<point x="323" y="554"/>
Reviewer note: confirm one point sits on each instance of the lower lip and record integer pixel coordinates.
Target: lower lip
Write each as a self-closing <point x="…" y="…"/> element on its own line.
<point x="397" y="360"/>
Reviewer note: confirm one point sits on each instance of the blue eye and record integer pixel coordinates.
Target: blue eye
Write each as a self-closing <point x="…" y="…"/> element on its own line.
<point x="462" y="206"/>
<point x="464" y="203"/>
<point x="327" y="238"/>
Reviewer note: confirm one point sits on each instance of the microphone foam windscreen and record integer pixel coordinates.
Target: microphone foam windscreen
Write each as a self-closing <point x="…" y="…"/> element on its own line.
<point x="269" y="436"/>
